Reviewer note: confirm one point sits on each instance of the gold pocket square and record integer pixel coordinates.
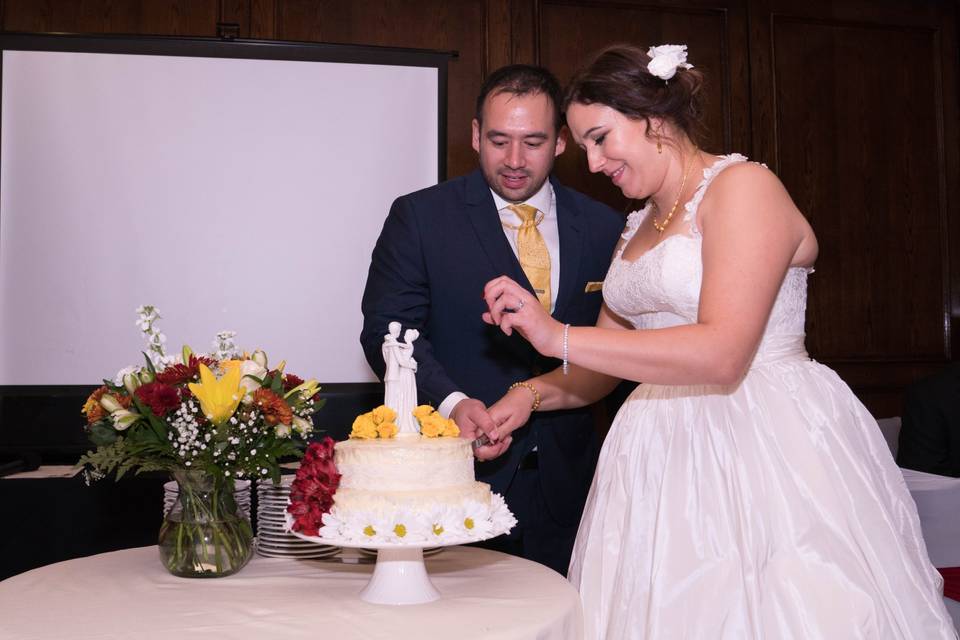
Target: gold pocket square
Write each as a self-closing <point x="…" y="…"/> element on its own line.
<point x="593" y="286"/>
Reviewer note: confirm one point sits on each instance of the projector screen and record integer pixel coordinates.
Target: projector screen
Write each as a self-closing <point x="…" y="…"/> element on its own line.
<point x="233" y="193"/>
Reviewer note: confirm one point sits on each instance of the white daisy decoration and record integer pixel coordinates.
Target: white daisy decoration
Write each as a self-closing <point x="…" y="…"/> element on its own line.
<point x="475" y="522"/>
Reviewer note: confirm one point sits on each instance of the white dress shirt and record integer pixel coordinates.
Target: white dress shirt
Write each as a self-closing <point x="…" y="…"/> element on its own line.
<point x="545" y="200"/>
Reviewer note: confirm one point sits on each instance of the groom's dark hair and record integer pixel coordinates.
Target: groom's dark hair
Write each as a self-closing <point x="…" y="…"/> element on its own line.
<point x="522" y="80"/>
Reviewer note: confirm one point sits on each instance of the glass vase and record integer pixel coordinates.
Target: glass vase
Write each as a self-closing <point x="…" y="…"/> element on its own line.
<point x="205" y="535"/>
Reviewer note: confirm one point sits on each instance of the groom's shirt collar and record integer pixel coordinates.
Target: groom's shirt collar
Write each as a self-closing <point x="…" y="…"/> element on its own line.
<point x="543" y="200"/>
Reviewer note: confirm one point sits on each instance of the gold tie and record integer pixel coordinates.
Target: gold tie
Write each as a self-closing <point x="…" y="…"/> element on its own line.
<point x="532" y="252"/>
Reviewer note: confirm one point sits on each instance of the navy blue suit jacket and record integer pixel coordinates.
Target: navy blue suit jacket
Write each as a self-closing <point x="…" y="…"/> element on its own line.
<point x="437" y="250"/>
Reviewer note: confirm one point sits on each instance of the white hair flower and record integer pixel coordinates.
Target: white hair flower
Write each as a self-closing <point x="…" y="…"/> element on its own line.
<point x="666" y="59"/>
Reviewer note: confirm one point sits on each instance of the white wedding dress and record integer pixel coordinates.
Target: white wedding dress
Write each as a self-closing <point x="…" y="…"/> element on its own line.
<point x="767" y="510"/>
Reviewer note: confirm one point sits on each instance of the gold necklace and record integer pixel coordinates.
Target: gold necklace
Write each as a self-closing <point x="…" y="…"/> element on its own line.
<point x="660" y="226"/>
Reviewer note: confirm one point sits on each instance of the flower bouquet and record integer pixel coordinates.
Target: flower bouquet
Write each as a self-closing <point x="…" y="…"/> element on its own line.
<point x="208" y="419"/>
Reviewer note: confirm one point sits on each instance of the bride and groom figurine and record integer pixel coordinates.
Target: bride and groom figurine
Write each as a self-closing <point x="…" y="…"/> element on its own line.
<point x="400" y="383"/>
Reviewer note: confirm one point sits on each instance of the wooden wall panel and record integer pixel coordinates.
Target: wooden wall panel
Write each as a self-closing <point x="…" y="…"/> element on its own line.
<point x="715" y="32"/>
<point x="155" y="17"/>
<point x="428" y="24"/>
<point x="854" y="108"/>
<point x="867" y="176"/>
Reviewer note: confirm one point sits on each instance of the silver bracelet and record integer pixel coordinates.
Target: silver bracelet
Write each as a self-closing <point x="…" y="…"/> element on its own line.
<point x="566" y="365"/>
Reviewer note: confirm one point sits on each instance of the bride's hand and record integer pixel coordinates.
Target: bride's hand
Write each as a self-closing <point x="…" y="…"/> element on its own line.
<point x="513" y="307"/>
<point x="511" y="412"/>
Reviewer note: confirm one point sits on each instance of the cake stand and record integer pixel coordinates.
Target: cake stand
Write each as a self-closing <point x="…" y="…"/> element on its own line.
<point x="400" y="576"/>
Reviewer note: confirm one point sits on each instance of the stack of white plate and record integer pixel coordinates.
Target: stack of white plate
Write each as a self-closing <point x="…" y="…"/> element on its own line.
<point x="272" y="540"/>
<point x="241" y="495"/>
<point x="427" y="552"/>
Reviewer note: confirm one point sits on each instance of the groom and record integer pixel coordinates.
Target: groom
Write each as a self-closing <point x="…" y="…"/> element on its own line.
<point x="438" y="248"/>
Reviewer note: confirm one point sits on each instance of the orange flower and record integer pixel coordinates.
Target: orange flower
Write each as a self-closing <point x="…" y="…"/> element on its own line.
<point x="92" y="408"/>
<point x="275" y="410"/>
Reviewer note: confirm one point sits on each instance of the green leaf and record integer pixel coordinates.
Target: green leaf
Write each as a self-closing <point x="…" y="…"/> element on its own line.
<point x="112" y="387"/>
<point x="102" y="433"/>
<point x="153" y="372"/>
<point x="276" y="385"/>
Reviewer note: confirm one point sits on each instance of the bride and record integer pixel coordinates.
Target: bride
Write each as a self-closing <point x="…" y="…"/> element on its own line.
<point x="743" y="491"/>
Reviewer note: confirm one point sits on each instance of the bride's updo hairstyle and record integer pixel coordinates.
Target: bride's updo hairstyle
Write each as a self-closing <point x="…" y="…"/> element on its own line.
<point x="618" y="77"/>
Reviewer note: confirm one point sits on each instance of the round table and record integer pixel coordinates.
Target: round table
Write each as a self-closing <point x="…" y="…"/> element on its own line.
<point x="128" y="594"/>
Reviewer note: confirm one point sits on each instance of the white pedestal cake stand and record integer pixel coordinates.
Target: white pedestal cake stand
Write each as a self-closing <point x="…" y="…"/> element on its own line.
<point x="400" y="575"/>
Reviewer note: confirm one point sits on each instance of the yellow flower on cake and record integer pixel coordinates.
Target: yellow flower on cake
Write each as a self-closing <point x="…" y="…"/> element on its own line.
<point x="383" y="414"/>
<point x="422" y="411"/>
<point x="450" y="429"/>
<point x="364" y="428"/>
<point x="387" y="429"/>
<point x="432" y="426"/>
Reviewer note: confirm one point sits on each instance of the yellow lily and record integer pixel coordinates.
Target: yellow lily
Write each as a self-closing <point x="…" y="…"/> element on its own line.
<point x="218" y="398"/>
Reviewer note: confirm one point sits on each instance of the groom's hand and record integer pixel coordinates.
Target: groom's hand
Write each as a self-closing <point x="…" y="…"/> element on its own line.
<point x="474" y="420"/>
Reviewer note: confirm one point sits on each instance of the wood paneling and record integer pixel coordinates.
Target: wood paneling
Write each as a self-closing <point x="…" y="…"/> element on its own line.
<point x="427" y="24"/>
<point x="715" y="33"/>
<point x="156" y="17"/>
<point x="854" y="108"/>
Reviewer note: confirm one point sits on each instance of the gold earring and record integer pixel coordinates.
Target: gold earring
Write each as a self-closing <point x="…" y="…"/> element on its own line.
<point x="659" y="145"/>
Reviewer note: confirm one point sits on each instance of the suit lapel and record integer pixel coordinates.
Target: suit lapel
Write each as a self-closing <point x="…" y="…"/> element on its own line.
<point x="482" y="213"/>
<point x="571" y="248"/>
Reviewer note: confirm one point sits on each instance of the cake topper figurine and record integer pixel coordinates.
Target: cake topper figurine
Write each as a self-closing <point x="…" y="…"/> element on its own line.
<point x="399" y="381"/>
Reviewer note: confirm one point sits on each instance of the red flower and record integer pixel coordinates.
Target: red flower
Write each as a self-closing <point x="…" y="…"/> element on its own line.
<point x="182" y="373"/>
<point x="290" y="381"/>
<point x="160" y="397"/>
<point x="311" y="494"/>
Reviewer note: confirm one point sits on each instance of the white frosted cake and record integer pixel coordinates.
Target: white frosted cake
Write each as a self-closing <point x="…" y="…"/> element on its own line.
<point x="408" y="471"/>
<point x="405" y="477"/>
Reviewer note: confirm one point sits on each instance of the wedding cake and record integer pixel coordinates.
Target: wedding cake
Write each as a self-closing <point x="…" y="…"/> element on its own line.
<point x="405" y="477"/>
<point x="413" y="472"/>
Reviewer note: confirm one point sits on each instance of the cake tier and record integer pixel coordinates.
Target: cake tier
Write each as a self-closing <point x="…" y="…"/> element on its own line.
<point x="405" y="464"/>
<point x="421" y="500"/>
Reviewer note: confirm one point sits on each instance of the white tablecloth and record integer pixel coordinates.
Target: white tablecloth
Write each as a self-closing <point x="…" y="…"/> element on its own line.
<point x="128" y="594"/>
<point x="938" y="504"/>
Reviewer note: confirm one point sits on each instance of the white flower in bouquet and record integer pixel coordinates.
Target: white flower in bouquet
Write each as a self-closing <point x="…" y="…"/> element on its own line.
<point x="302" y="426"/>
<point x="224" y="347"/>
<point x="252" y="374"/>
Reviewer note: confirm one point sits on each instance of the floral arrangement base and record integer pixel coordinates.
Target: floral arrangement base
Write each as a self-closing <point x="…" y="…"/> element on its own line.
<point x="204" y="535"/>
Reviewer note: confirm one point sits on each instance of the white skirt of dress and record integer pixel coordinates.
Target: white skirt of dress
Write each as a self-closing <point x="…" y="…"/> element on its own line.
<point x="772" y="510"/>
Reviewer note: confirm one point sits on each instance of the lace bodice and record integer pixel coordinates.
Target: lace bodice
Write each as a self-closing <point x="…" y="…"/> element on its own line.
<point x="661" y="288"/>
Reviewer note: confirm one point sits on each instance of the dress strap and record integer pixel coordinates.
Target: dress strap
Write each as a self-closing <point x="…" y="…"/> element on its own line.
<point x="709" y="173"/>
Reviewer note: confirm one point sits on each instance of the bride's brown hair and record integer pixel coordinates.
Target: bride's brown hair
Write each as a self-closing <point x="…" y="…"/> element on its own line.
<point x="617" y="77"/>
